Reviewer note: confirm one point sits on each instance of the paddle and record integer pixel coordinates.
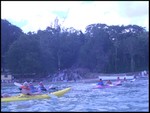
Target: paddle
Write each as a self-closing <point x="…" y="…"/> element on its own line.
<point x="94" y="84"/>
<point x="132" y="80"/>
<point x="51" y="86"/>
<point x="17" y="84"/>
<point x="111" y="85"/>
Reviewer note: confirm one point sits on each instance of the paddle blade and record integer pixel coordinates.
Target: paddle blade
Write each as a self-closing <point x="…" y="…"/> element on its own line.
<point x="17" y="84"/>
<point x="111" y="85"/>
<point x="132" y="80"/>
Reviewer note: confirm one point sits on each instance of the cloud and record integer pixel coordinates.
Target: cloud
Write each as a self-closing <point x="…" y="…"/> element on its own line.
<point x="135" y="12"/>
<point x="38" y="14"/>
<point x="132" y="9"/>
<point x="110" y="13"/>
<point x="97" y="12"/>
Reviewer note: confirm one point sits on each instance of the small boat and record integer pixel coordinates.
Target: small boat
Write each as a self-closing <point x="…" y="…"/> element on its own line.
<point x="109" y="85"/>
<point x="23" y="97"/>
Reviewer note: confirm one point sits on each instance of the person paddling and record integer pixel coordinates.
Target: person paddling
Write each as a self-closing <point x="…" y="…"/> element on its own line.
<point x="25" y="89"/>
<point x="100" y="82"/>
<point x="32" y="88"/>
<point x="41" y="87"/>
<point x="118" y="79"/>
<point x="109" y="82"/>
<point x="124" y="79"/>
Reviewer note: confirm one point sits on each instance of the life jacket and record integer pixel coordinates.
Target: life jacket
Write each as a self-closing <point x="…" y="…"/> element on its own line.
<point x="100" y="83"/>
<point x="25" y="87"/>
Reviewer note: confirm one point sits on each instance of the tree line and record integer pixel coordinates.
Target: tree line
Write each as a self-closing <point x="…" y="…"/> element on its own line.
<point x="102" y="48"/>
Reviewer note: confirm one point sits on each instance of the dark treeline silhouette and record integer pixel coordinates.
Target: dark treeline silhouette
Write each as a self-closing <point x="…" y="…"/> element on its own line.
<point x="102" y="48"/>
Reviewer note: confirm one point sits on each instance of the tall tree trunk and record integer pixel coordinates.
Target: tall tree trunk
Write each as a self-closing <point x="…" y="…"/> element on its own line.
<point x="116" y="59"/>
<point x="132" y="63"/>
<point x="58" y="59"/>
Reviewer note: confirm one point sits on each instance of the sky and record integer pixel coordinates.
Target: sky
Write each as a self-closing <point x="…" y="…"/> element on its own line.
<point x="38" y="15"/>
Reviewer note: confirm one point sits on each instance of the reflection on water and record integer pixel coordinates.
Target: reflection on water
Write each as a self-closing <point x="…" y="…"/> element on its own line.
<point x="131" y="96"/>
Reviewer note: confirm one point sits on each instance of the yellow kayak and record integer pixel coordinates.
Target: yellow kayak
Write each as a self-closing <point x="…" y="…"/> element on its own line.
<point x="22" y="97"/>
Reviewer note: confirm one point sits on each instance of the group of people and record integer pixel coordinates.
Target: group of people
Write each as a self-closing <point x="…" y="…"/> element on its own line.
<point x="29" y="89"/>
<point x="100" y="82"/>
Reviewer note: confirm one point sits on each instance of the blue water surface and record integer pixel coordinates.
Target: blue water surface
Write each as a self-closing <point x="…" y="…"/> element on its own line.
<point x="130" y="96"/>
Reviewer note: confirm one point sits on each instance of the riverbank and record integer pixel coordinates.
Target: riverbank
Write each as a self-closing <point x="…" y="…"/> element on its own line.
<point x="49" y="82"/>
<point x="90" y="77"/>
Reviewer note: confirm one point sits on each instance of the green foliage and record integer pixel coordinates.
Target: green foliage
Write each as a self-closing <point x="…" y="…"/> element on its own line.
<point x="95" y="53"/>
<point x="24" y="56"/>
<point x="9" y="34"/>
<point x="102" y="48"/>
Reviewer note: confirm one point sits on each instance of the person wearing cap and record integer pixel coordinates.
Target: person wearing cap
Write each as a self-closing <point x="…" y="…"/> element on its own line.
<point x="25" y="88"/>
<point x="41" y="87"/>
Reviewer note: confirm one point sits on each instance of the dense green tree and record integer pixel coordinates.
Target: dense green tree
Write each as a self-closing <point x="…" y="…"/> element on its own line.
<point x="9" y="34"/>
<point x="23" y="57"/>
<point x="95" y="53"/>
<point x="132" y="43"/>
<point x="102" y="48"/>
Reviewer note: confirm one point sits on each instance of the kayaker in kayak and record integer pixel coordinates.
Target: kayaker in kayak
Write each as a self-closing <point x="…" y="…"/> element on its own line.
<point x="100" y="82"/>
<point x="134" y="78"/>
<point x="118" y="82"/>
<point x="41" y="87"/>
<point x="108" y="82"/>
<point x="32" y="88"/>
<point x="31" y="97"/>
<point x="25" y="88"/>
<point x="118" y="79"/>
<point x="124" y="79"/>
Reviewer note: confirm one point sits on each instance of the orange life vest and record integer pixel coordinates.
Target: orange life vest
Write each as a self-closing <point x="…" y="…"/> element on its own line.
<point x="25" y="87"/>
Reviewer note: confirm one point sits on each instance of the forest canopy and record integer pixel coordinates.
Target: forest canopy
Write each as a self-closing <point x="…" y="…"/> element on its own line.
<point x="102" y="48"/>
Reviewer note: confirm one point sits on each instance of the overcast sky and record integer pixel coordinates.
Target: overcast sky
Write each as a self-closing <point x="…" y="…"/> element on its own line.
<point x="35" y="15"/>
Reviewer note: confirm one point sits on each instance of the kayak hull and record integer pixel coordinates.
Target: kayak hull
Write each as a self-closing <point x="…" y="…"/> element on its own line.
<point x="23" y="97"/>
<point x="117" y="83"/>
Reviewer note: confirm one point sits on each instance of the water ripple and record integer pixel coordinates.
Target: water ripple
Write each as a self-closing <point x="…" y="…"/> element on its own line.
<point x="131" y="96"/>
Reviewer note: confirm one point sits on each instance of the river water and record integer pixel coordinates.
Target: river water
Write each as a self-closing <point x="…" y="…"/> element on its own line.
<point x="130" y="96"/>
